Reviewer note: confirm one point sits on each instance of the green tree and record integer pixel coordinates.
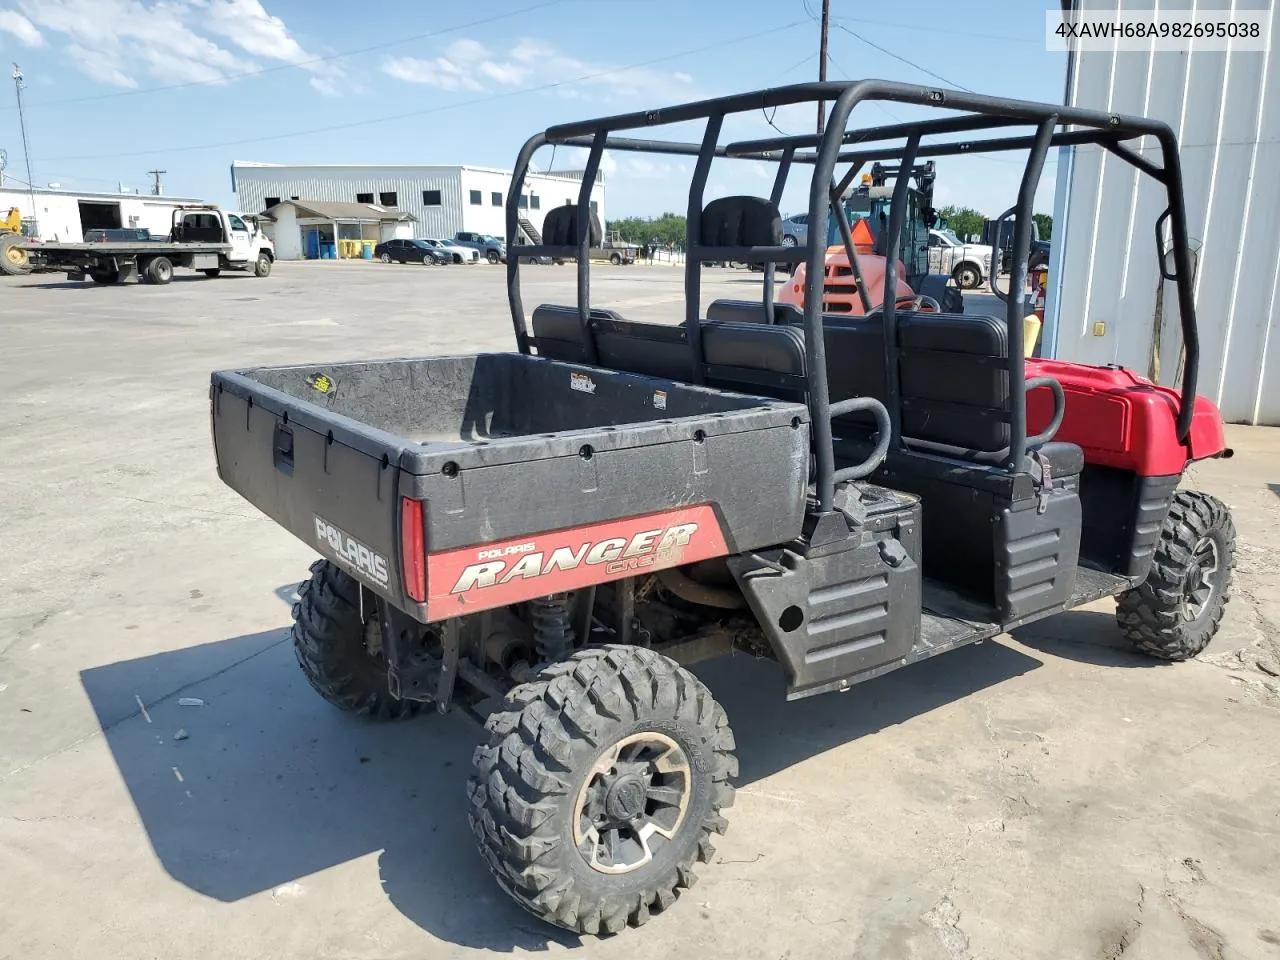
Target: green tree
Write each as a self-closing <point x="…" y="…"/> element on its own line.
<point x="668" y="228"/>
<point x="1044" y="224"/>
<point x="963" y="221"/>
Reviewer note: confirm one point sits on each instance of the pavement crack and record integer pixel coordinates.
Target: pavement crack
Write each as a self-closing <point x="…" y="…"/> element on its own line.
<point x="1122" y="939"/>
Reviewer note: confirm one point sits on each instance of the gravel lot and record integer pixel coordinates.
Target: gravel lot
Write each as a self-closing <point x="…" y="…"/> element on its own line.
<point x="1042" y="795"/>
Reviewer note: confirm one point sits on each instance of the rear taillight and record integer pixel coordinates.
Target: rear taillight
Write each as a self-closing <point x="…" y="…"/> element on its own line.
<point x="413" y="549"/>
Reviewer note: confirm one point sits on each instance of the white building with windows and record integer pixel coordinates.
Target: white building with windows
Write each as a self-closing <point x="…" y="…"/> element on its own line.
<point x="442" y="200"/>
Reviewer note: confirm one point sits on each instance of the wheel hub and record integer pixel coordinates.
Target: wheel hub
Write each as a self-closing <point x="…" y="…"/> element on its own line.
<point x="632" y="801"/>
<point x="1199" y="586"/>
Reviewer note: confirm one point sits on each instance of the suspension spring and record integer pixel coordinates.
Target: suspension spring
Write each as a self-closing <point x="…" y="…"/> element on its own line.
<point x="552" y="634"/>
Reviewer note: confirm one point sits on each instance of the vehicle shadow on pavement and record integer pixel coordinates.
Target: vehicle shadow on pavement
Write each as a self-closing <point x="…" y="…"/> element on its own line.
<point x="262" y="784"/>
<point x="1086" y="636"/>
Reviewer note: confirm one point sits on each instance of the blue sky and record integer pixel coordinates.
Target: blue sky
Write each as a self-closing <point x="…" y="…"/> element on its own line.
<point x="119" y="87"/>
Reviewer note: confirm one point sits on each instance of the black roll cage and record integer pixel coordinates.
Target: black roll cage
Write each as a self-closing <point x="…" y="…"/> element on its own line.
<point x="838" y="145"/>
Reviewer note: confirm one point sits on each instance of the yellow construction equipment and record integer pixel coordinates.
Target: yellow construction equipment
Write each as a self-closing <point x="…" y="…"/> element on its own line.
<point x="13" y="258"/>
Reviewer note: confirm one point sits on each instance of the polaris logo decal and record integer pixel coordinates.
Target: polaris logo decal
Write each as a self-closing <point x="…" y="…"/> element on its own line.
<point x="349" y="552"/>
<point x="494" y="575"/>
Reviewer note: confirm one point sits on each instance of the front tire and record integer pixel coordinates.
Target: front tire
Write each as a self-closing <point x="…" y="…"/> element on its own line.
<point x="262" y="266"/>
<point x="492" y="256"/>
<point x="212" y="272"/>
<point x="599" y="787"/>
<point x="330" y="642"/>
<point x="1176" y="611"/>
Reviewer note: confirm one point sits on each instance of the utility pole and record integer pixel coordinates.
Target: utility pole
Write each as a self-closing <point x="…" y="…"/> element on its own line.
<point x="822" y="62"/>
<point x="156" y="188"/>
<point x="19" y="84"/>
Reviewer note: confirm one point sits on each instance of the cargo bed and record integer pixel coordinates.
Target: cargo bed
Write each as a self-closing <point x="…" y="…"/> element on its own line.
<point x="496" y="447"/>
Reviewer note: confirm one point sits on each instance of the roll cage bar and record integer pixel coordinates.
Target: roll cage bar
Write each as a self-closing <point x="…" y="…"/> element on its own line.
<point x="839" y="145"/>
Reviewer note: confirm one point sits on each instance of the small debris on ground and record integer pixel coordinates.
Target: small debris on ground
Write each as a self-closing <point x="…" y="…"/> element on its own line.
<point x="180" y="735"/>
<point x="190" y="702"/>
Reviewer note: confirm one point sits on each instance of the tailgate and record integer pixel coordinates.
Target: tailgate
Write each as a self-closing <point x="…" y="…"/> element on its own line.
<point x="331" y="484"/>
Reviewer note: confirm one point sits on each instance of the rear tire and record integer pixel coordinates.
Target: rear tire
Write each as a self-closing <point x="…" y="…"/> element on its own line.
<point x="615" y="260"/>
<point x="585" y="769"/>
<point x="159" y="270"/>
<point x="1176" y="611"/>
<point x="212" y="272"/>
<point x="385" y="258"/>
<point x="967" y="276"/>
<point x="104" y="275"/>
<point x="329" y="642"/>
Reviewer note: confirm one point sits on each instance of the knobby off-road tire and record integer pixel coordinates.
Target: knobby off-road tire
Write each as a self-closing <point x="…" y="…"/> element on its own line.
<point x="329" y="642"/>
<point x="567" y="752"/>
<point x="1176" y="611"/>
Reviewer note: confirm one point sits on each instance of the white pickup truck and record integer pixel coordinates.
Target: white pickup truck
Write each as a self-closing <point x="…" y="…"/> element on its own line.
<point x="203" y="237"/>
<point x="969" y="264"/>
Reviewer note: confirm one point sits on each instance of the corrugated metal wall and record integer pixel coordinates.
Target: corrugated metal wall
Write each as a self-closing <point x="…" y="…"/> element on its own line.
<point x="254" y="183"/>
<point x="1225" y="108"/>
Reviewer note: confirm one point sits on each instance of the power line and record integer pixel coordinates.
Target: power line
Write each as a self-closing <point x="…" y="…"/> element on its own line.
<point x="920" y="28"/>
<point x="910" y="63"/>
<point x="261" y="71"/>
<point x="429" y="110"/>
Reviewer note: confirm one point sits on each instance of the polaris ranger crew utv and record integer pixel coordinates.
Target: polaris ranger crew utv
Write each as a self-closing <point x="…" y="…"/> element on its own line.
<point x="549" y="537"/>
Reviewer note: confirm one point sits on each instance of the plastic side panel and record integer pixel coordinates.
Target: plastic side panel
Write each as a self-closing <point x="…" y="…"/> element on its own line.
<point x="1037" y="548"/>
<point x="1122" y="420"/>
<point x="473" y="578"/>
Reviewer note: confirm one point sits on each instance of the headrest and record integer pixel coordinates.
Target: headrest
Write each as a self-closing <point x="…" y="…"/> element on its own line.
<point x="741" y="222"/>
<point x="560" y="227"/>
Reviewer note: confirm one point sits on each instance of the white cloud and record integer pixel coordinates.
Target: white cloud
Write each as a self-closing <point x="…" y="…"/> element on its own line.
<point x="119" y="42"/>
<point x="15" y="23"/>
<point x="469" y="65"/>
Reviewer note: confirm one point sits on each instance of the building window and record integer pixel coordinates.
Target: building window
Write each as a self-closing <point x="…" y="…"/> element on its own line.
<point x="524" y="202"/>
<point x="364" y="198"/>
<point x="496" y="199"/>
<point x="569" y="203"/>
<point x="293" y="198"/>
<point x="535" y="201"/>
<point x="431" y="198"/>
<point x="269" y="202"/>
<point x="388" y="198"/>
<point x="476" y="199"/>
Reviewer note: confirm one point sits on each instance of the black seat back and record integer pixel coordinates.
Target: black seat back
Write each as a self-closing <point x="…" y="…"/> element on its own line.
<point x="560" y="227"/>
<point x="755" y="358"/>
<point x="558" y="333"/>
<point x="954" y="379"/>
<point x="652" y="349"/>
<point x="741" y="222"/>
<point x="753" y="311"/>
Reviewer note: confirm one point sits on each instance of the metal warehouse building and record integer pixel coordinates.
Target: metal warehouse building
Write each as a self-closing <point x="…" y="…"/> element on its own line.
<point x="442" y="199"/>
<point x="64" y="215"/>
<point x="1225" y="108"/>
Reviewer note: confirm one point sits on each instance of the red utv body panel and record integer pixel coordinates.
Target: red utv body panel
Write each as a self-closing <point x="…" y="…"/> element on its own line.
<point x="1123" y="420"/>
<point x="489" y="575"/>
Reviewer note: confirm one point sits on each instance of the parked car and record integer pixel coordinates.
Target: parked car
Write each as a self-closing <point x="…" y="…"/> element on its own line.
<point x="489" y="247"/>
<point x="455" y="253"/>
<point x="410" y="251"/>
<point x="968" y="263"/>
<point x="795" y="230"/>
